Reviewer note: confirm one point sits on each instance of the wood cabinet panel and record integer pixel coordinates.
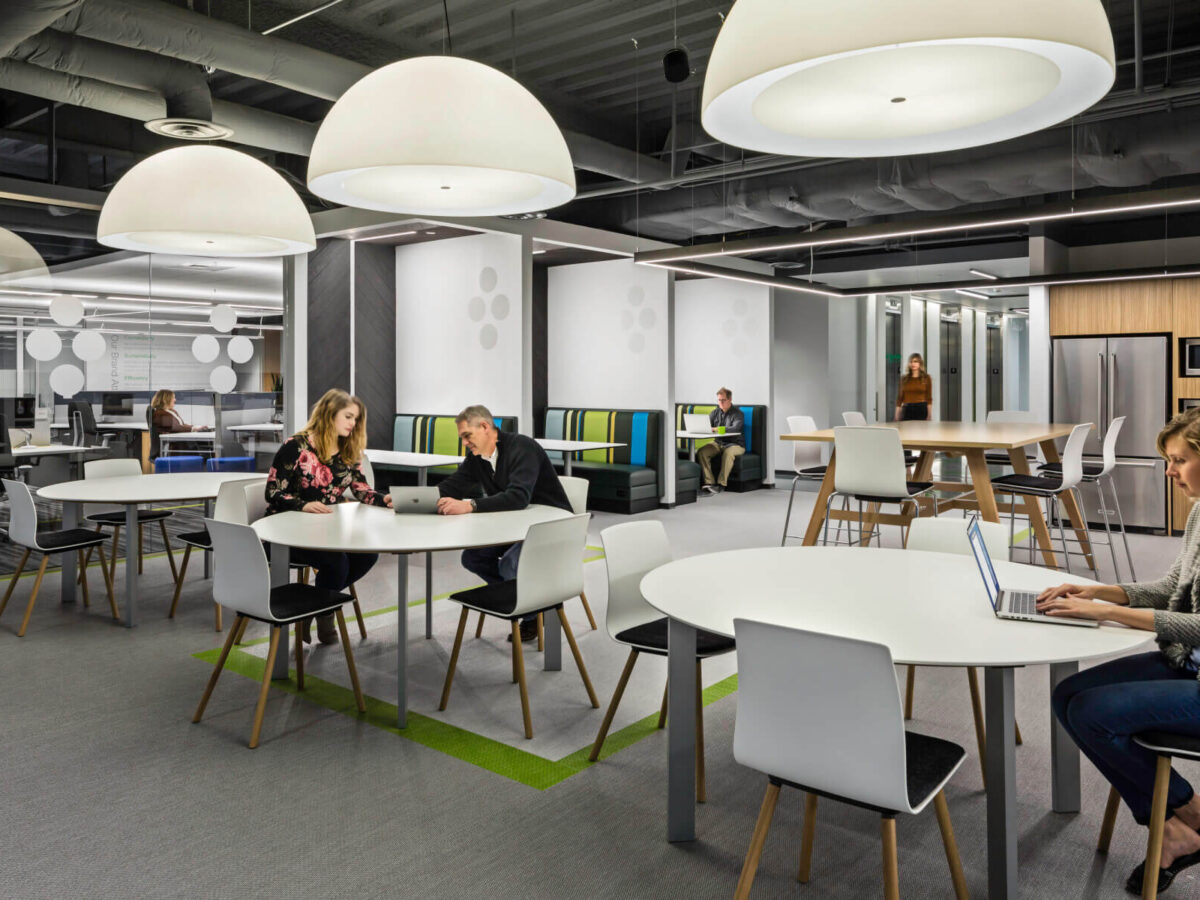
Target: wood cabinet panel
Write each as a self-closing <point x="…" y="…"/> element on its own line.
<point x="1119" y="307"/>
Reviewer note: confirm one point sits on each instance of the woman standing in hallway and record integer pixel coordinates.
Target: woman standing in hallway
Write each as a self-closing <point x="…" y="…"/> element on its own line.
<point x="311" y="472"/>
<point x="914" y="400"/>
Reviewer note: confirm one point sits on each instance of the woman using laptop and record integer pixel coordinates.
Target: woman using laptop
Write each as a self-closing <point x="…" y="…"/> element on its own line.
<point x="310" y="473"/>
<point x="1104" y="706"/>
<point x="166" y="419"/>
<point x="914" y="400"/>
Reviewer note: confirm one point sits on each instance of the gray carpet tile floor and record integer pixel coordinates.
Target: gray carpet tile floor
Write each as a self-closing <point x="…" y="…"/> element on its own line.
<point x="110" y="791"/>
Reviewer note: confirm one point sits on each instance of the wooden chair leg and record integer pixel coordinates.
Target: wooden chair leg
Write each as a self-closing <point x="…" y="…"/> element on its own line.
<point x="212" y="680"/>
<point x="162" y="523"/>
<point x="1017" y="732"/>
<point x="587" y="609"/>
<point x="12" y="582"/>
<point x="1158" y="820"/>
<point x="187" y="554"/>
<point x="108" y="585"/>
<point x="88" y="557"/>
<point x="909" y="689"/>
<point x="462" y="624"/>
<point x="750" y="867"/>
<point x="479" y="626"/>
<point x="303" y="577"/>
<point x="112" y="563"/>
<point x="587" y="682"/>
<point x="140" y="545"/>
<point x="37" y="583"/>
<point x="807" y="837"/>
<point x="87" y="597"/>
<point x="362" y="625"/>
<point x="261" y="708"/>
<point x="541" y="632"/>
<point x="612" y="705"/>
<point x="977" y="712"/>
<point x="662" y="712"/>
<point x="216" y="616"/>
<point x="519" y="656"/>
<point x="241" y="630"/>
<point x="300" y="665"/>
<point x="951" y="846"/>
<point x="358" y="694"/>
<point x="891" y="862"/>
<point x="1109" y="822"/>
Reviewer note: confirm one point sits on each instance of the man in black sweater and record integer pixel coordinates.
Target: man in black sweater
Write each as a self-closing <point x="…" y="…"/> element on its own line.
<point x="501" y="472"/>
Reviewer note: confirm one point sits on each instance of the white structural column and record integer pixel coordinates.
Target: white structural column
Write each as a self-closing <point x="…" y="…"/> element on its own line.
<point x="981" y="368"/>
<point x="1045" y="257"/>
<point x="525" y="423"/>
<point x="294" y="342"/>
<point x="667" y="438"/>
<point x="966" y="325"/>
<point x="933" y="353"/>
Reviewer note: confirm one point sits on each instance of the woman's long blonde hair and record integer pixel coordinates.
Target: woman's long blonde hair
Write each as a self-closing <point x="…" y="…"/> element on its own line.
<point x="321" y="434"/>
<point x="907" y="376"/>
<point x="163" y="399"/>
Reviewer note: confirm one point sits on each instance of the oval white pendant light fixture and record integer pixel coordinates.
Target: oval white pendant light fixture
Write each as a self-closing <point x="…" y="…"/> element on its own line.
<point x="441" y="135"/>
<point x="862" y="78"/>
<point x="205" y="201"/>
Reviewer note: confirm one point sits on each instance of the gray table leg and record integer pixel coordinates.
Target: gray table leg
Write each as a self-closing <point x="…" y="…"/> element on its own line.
<point x="280" y="575"/>
<point x="401" y="639"/>
<point x="70" y="519"/>
<point x="131" y="564"/>
<point x="681" y="732"/>
<point x="567" y="464"/>
<point x="208" y="511"/>
<point x="428" y="594"/>
<point x="1064" y="753"/>
<point x="552" y="632"/>
<point x="691" y="450"/>
<point x="1001" y="783"/>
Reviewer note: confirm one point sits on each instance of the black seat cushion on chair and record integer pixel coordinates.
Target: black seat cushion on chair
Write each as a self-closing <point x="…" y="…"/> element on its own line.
<point x="1184" y="745"/>
<point x="68" y="539"/>
<point x="813" y="472"/>
<point x="1089" y="469"/>
<point x="652" y="638"/>
<point x="118" y="517"/>
<point x="1028" y="484"/>
<point x="929" y="762"/>
<point x="290" y="602"/>
<point x="197" y="539"/>
<point x="494" y="599"/>
<point x="914" y="488"/>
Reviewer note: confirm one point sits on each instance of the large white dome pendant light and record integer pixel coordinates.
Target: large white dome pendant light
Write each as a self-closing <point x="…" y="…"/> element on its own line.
<point x="862" y="78"/>
<point x="205" y="201"/>
<point x="19" y="260"/>
<point x="441" y="135"/>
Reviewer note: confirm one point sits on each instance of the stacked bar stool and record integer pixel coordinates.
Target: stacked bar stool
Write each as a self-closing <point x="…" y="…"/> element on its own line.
<point x="806" y="461"/>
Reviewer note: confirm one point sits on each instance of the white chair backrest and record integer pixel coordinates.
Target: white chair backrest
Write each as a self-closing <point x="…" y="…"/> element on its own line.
<point x="256" y="500"/>
<point x="632" y="549"/>
<point x="111" y="468"/>
<point x="1002" y="416"/>
<point x="242" y="577"/>
<point x="948" y="534"/>
<point x="805" y="454"/>
<point x="870" y="460"/>
<point x="551" y="565"/>
<point x="854" y="418"/>
<point x="1072" y="456"/>
<point x="22" y="523"/>
<point x="1110" y="444"/>
<point x="231" y="502"/>
<point x="367" y="470"/>
<point x="577" y="491"/>
<point x="854" y="753"/>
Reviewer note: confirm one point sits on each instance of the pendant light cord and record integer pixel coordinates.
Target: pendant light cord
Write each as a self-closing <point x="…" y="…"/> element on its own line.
<point x="447" y="41"/>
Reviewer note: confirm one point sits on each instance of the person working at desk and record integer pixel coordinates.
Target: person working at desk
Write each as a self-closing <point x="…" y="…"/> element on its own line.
<point x="310" y="473"/>
<point x="500" y="472"/>
<point x="914" y="400"/>
<point x="729" y="417"/>
<point x="165" y="419"/>
<point x="1103" y="707"/>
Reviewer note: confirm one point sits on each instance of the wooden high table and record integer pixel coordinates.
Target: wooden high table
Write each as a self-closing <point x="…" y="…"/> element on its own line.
<point x="971" y="440"/>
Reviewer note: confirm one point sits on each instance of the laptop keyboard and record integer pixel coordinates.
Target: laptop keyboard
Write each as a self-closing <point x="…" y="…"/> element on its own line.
<point x="1022" y="603"/>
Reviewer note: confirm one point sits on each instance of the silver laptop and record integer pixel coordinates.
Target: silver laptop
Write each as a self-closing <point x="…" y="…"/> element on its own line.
<point x="414" y="499"/>
<point x="1010" y="604"/>
<point x="697" y="423"/>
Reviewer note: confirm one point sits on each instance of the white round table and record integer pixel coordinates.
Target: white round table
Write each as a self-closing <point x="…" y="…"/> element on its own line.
<point x="130" y="491"/>
<point x="359" y="528"/>
<point x="930" y="609"/>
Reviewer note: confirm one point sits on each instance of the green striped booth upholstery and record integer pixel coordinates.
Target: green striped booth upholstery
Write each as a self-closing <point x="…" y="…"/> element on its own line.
<point x="418" y="433"/>
<point x="747" y="474"/>
<point x="621" y="479"/>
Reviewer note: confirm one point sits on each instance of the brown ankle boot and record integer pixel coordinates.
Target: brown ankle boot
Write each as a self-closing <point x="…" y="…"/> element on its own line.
<point x="326" y="629"/>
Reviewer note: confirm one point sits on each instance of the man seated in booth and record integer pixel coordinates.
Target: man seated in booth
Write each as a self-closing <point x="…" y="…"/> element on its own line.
<point x="501" y="471"/>
<point x="728" y="417"/>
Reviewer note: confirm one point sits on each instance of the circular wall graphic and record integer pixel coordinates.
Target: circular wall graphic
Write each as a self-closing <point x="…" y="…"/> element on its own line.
<point x="223" y="318"/>
<point x="66" y="380"/>
<point x="43" y="344"/>
<point x="89" y="345"/>
<point x="223" y="379"/>
<point x="205" y="348"/>
<point x="240" y="349"/>
<point x="66" y="310"/>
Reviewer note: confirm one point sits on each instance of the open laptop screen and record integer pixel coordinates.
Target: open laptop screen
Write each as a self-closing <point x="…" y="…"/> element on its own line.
<point x="986" y="572"/>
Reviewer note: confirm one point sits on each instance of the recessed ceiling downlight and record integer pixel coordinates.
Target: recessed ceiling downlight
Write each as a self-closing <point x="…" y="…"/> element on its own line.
<point x="860" y="78"/>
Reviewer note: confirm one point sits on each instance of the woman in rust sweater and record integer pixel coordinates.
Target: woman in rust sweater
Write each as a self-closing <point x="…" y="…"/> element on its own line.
<point x="914" y="400"/>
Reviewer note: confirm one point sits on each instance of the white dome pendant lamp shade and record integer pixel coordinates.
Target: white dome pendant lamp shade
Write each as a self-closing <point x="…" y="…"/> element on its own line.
<point x="19" y="259"/>
<point x="861" y="78"/>
<point x="441" y="135"/>
<point x="205" y="201"/>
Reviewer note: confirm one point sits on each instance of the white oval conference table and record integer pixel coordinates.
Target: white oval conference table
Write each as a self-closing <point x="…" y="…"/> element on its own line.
<point x="130" y="491"/>
<point x="359" y="528"/>
<point x="930" y="609"/>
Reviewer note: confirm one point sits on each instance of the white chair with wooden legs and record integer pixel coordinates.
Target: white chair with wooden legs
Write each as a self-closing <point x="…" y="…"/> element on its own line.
<point x="871" y="469"/>
<point x="806" y="740"/>
<point x="115" y="519"/>
<point x="806" y="461"/>
<point x="549" y="573"/>
<point x="243" y="583"/>
<point x="230" y="506"/>
<point x="945" y="534"/>
<point x="255" y="500"/>
<point x="631" y="550"/>
<point x="22" y="531"/>
<point x="1167" y="746"/>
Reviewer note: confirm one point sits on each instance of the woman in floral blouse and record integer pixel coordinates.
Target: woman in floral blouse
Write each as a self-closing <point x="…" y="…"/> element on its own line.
<point x="310" y="473"/>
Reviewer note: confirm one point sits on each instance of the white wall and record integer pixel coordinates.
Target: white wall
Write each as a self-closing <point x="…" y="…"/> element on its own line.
<point x="722" y="337"/>
<point x="966" y="356"/>
<point x="459" y="315"/>
<point x="847" y="353"/>
<point x="803" y="366"/>
<point x="933" y="354"/>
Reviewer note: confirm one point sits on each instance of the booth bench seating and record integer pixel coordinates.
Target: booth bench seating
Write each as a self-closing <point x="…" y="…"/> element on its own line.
<point x="747" y="474"/>
<point x="621" y="479"/>
<point x="420" y="433"/>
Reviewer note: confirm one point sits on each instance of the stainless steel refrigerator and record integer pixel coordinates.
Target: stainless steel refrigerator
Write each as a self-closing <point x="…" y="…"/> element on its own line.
<point x="1099" y="379"/>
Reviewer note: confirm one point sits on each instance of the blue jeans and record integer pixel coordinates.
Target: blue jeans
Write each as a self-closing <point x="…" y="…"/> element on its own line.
<point x="494" y="564"/>
<point x="1104" y="706"/>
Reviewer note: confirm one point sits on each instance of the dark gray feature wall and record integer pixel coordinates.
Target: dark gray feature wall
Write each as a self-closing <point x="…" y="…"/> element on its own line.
<point x="538" y="356"/>
<point x="328" y="318"/>
<point x="375" y="338"/>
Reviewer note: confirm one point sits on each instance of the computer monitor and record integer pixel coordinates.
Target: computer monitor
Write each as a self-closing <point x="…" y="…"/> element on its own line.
<point x="116" y="405"/>
<point x="24" y="412"/>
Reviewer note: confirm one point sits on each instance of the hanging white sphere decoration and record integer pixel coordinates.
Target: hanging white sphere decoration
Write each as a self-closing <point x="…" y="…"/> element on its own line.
<point x="205" y="348"/>
<point x="240" y="349"/>
<point x="89" y="345"/>
<point x="66" y="311"/>
<point x="43" y="344"/>
<point x="223" y="318"/>
<point x="66" y="380"/>
<point x="223" y="379"/>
